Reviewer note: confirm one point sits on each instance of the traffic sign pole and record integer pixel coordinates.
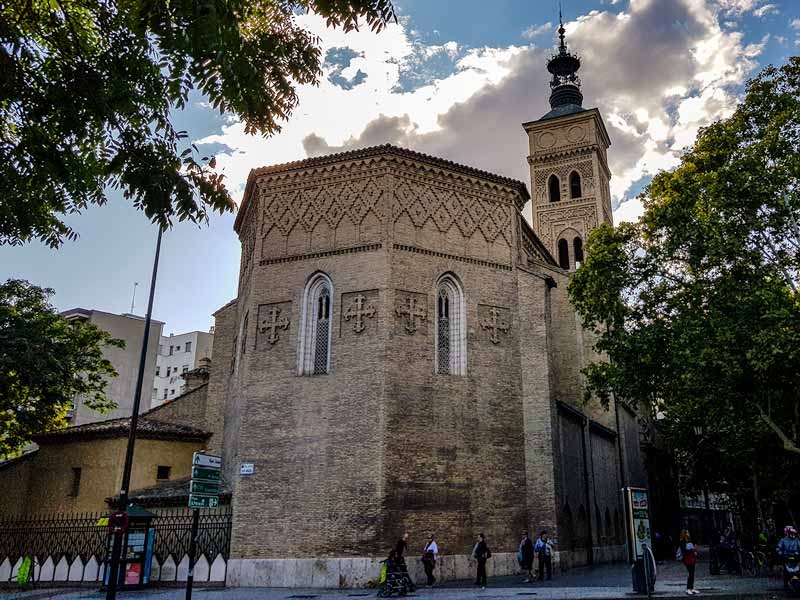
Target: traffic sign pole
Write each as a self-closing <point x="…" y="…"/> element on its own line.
<point x="192" y="552"/>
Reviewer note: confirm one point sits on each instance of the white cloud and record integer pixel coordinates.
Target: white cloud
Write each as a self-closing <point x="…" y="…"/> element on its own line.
<point x="659" y="70"/>
<point x="535" y="31"/>
<point x="795" y="24"/>
<point x="765" y="10"/>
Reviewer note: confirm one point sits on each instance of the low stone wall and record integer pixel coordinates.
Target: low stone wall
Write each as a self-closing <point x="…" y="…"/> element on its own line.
<point x="356" y="572"/>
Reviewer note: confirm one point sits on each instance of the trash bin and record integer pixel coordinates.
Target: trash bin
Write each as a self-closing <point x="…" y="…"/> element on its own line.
<point x="137" y="550"/>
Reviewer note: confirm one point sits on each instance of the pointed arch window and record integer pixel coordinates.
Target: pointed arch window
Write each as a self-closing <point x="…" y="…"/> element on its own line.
<point x="563" y="253"/>
<point x="316" y="327"/>
<point x="451" y="327"/>
<point x="577" y="246"/>
<point x="575" y="185"/>
<point x="554" y="188"/>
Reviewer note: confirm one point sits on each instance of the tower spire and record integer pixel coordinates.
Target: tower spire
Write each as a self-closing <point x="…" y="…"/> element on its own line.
<point x="565" y="84"/>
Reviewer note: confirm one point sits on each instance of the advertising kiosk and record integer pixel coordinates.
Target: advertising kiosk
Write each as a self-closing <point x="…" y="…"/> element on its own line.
<point x="637" y="527"/>
<point x="137" y="550"/>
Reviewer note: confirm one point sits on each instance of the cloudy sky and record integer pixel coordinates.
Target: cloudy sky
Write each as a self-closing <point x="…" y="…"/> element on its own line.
<point x="451" y="78"/>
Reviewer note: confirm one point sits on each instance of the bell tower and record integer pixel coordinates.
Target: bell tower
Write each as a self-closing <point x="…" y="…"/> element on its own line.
<point x="568" y="161"/>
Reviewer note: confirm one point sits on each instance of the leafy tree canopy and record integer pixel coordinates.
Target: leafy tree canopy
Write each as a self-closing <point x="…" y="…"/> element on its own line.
<point x="45" y="362"/>
<point x="86" y="90"/>
<point x="697" y="305"/>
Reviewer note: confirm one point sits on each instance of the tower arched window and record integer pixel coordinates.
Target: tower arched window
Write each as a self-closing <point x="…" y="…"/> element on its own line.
<point x="575" y="185"/>
<point x="577" y="246"/>
<point x="563" y="253"/>
<point x="554" y="187"/>
<point x="316" y="326"/>
<point x="451" y="327"/>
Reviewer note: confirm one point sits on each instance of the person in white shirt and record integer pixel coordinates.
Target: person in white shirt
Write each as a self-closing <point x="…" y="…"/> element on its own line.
<point x="429" y="555"/>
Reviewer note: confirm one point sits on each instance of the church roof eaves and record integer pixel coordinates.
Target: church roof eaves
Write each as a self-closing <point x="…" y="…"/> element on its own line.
<point x="374" y="151"/>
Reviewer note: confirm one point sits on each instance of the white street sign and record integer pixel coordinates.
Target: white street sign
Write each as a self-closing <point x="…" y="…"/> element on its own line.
<point x="207" y="460"/>
<point x="247" y="469"/>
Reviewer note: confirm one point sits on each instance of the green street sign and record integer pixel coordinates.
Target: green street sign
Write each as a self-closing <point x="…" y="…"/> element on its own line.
<point x="204" y="487"/>
<point x="205" y="473"/>
<point x="203" y="501"/>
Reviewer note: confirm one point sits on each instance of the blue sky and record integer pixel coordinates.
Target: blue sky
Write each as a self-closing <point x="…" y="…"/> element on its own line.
<point x="455" y="79"/>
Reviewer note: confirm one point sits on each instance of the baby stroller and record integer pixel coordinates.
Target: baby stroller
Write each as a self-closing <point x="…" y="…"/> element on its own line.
<point x="394" y="580"/>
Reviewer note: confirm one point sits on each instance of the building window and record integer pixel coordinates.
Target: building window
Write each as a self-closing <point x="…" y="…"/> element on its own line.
<point x="316" y="326"/>
<point x="158" y="371"/>
<point x="577" y="246"/>
<point x="170" y="350"/>
<point x="575" y="185"/>
<point x="165" y="393"/>
<point x="188" y="347"/>
<point x="155" y="393"/>
<point x="184" y="368"/>
<point x="563" y="253"/>
<point x="172" y="392"/>
<point x="161" y="348"/>
<point x="451" y="333"/>
<point x="554" y="187"/>
<point x="76" y="482"/>
<point x="177" y="348"/>
<point x="163" y="472"/>
<point x="169" y="370"/>
<point x="244" y="332"/>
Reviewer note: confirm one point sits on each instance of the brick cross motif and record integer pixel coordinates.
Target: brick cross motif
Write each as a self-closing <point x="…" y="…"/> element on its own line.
<point x="358" y="311"/>
<point x="273" y="323"/>
<point x="412" y="312"/>
<point x="495" y="325"/>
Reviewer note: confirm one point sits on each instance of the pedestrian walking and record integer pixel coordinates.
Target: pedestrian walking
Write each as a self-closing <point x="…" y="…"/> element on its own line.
<point x="526" y="556"/>
<point x="544" y="551"/>
<point x="400" y="548"/>
<point x="481" y="553"/>
<point x="429" y="555"/>
<point x="687" y="554"/>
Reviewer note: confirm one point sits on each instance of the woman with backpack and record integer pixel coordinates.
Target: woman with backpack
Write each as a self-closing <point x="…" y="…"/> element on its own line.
<point x="687" y="554"/>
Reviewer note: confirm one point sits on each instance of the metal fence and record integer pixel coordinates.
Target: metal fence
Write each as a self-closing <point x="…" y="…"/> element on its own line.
<point x="71" y="547"/>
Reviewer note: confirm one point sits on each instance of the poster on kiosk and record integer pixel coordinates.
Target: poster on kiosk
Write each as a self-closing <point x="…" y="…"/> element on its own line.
<point x="637" y="512"/>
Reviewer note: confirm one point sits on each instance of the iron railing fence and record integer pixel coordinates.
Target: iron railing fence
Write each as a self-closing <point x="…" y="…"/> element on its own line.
<point x="55" y="538"/>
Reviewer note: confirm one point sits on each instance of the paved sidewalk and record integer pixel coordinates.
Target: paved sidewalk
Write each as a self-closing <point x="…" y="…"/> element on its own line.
<point x="605" y="582"/>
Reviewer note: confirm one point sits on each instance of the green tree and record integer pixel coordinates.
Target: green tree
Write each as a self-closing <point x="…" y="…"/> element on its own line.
<point x="696" y="305"/>
<point x="45" y="362"/>
<point x="87" y="88"/>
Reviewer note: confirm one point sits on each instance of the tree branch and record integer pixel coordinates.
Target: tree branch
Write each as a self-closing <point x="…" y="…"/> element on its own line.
<point x="788" y="445"/>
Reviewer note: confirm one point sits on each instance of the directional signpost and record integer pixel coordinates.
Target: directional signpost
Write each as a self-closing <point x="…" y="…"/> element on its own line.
<point x="203" y="493"/>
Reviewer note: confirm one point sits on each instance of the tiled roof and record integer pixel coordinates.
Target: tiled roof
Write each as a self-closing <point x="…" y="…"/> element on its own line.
<point x="393" y="150"/>
<point x="174" y="492"/>
<point x="146" y="429"/>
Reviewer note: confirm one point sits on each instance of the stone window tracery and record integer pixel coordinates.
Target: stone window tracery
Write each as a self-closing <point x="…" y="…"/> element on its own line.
<point x="554" y="188"/>
<point x="451" y="332"/>
<point x="314" y="351"/>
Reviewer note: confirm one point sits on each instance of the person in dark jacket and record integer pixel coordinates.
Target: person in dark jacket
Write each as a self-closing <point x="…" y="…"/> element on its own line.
<point x="526" y="556"/>
<point x="400" y="548"/>
<point x="481" y="553"/>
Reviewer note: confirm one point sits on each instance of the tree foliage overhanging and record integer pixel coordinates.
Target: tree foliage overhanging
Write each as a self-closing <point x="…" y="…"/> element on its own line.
<point x="697" y="306"/>
<point x="86" y="90"/>
<point x="46" y="361"/>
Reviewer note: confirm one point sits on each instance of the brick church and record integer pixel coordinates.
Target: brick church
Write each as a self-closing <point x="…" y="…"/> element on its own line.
<point x="403" y="355"/>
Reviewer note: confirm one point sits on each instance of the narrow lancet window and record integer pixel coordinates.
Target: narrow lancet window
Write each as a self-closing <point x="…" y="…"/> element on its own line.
<point x="451" y="334"/>
<point x="577" y="246"/>
<point x="315" y="327"/>
<point x="563" y="253"/>
<point x="575" y="185"/>
<point x="554" y="187"/>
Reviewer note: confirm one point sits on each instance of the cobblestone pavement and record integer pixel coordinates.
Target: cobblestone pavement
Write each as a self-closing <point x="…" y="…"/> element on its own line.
<point x="604" y="582"/>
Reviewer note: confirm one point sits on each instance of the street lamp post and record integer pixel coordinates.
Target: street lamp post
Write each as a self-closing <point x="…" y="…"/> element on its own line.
<point x="111" y="589"/>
